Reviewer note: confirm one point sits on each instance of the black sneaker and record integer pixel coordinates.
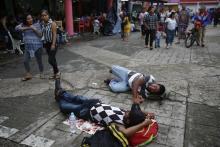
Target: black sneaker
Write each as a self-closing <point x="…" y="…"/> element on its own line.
<point x="107" y="81"/>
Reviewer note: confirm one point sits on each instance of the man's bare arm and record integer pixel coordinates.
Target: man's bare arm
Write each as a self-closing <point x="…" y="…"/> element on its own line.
<point x="135" y="85"/>
<point x="132" y="130"/>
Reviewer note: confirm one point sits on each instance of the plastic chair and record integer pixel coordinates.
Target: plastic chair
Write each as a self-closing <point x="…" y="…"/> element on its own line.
<point x="59" y="24"/>
<point x="16" y="44"/>
<point x="87" y="25"/>
<point x="81" y="26"/>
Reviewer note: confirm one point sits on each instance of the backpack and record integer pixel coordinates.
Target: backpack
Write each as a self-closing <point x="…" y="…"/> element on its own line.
<point x="110" y="137"/>
<point x="144" y="136"/>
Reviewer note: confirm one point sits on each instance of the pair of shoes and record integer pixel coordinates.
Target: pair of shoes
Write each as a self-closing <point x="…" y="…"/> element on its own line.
<point x="27" y="77"/>
<point x="107" y="81"/>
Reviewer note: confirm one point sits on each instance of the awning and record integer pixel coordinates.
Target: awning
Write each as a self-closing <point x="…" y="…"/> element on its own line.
<point x="153" y="1"/>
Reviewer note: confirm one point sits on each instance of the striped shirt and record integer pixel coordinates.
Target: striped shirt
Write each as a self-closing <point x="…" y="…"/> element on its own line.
<point x="47" y="31"/>
<point x="151" y="21"/>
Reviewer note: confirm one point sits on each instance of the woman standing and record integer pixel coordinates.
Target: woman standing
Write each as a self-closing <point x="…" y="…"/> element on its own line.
<point x="32" y="34"/>
<point x="50" y="33"/>
<point x="170" y="29"/>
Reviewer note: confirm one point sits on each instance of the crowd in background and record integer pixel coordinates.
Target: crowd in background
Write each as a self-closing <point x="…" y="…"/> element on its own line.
<point x="161" y="22"/>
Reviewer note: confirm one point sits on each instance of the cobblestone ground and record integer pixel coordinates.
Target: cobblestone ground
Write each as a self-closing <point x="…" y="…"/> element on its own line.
<point x="30" y="116"/>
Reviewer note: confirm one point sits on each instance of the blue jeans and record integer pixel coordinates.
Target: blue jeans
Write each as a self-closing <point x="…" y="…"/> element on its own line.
<point x="120" y="84"/>
<point x="38" y="56"/>
<point x="77" y="104"/>
<point x="157" y="42"/>
<point x="170" y="36"/>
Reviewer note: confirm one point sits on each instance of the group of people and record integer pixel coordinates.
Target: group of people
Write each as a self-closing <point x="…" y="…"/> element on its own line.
<point x="155" y="25"/>
<point x="128" y="121"/>
<point x="39" y="34"/>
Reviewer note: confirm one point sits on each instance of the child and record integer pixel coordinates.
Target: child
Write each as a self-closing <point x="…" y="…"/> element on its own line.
<point x="96" y="26"/>
<point x="127" y="28"/>
<point x="158" y="36"/>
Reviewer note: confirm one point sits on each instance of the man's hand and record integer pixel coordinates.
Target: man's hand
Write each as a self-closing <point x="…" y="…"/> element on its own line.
<point x="150" y="115"/>
<point x="138" y="100"/>
<point x="147" y="122"/>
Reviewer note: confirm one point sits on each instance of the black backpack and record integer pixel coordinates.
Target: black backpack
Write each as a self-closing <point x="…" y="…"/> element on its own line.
<point x="109" y="137"/>
<point x="102" y="138"/>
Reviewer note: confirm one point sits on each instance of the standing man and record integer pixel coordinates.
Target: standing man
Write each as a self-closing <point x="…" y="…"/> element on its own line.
<point x="203" y="18"/>
<point x="183" y="21"/>
<point x="151" y="25"/>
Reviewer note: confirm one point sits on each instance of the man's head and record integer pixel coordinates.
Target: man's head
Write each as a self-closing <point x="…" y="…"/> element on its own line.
<point x="134" y="116"/>
<point x="155" y="88"/>
<point x="183" y="7"/>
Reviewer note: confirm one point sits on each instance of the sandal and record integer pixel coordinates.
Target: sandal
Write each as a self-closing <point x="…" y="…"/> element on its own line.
<point x="27" y="77"/>
<point x="57" y="75"/>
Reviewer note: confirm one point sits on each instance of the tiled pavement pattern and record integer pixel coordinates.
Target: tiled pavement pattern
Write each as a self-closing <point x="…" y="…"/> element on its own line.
<point x="190" y="118"/>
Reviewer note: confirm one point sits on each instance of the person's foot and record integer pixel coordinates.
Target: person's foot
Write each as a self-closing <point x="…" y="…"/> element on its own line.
<point x="55" y="76"/>
<point x="58" y="75"/>
<point x="203" y="45"/>
<point x="57" y="89"/>
<point x="110" y="71"/>
<point x="167" y="47"/>
<point x="178" y="42"/>
<point x="107" y="81"/>
<point x="146" y="46"/>
<point x="27" y="77"/>
<point x="151" y="48"/>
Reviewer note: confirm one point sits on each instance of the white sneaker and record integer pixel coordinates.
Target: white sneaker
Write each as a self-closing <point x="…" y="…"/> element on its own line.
<point x="167" y="47"/>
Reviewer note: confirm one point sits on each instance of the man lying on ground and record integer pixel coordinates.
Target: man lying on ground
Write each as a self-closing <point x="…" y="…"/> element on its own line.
<point x="140" y="85"/>
<point x="128" y="122"/>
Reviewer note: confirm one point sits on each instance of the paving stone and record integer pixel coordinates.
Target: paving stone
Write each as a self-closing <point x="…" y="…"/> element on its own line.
<point x="175" y="137"/>
<point x="6" y="132"/>
<point x="3" y="118"/>
<point x="37" y="141"/>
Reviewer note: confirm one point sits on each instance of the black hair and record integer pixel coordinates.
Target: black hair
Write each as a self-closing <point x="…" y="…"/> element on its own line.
<point x="150" y="8"/>
<point x="136" y="116"/>
<point x="44" y="11"/>
<point x="25" y="18"/>
<point x="162" y="89"/>
<point x="172" y="14"/>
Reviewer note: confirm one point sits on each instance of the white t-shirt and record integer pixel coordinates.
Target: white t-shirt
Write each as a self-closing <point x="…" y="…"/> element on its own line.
<point x="171" y="23"/>
<point x="141" y="18"/>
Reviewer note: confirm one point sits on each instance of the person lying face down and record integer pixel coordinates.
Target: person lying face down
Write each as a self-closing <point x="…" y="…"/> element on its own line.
<point x="128" y="122"/>
<point x="141" y="85"/>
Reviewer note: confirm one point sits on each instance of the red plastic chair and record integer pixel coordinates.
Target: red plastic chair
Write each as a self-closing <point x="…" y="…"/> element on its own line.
<point x="81" y="26"/>
<point x="87" y="25"/>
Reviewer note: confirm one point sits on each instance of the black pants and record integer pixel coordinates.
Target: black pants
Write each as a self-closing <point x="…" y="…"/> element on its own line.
<point x="52" y="56"/>
<point x="151" y="34"/>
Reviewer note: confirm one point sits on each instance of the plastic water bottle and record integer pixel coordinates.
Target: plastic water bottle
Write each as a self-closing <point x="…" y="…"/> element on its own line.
<point x="72" y="120"/>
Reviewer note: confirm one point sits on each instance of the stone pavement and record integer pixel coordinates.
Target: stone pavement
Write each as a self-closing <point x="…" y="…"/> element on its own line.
<point x="30" y="116"/>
